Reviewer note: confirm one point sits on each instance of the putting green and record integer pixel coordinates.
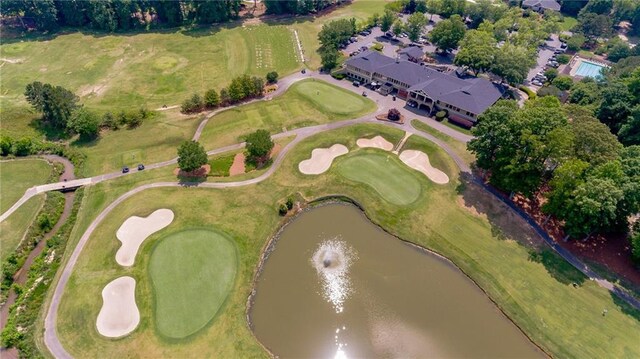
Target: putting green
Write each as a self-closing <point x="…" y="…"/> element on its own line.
<point x="384" y="173"/>
<point x="192" y="272"/>
<point x="330" y="98"/>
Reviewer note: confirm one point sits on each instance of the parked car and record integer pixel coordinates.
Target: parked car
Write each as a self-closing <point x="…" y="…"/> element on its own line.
<point x="536" y="83"/>
<point x="125" y="169"/>
<point x="412" y="103"/>
<point x="356" y="83"/>
<point x="140" y="167"/>
<point x="559" y="51"/>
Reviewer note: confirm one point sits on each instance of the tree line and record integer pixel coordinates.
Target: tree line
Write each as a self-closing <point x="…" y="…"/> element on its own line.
<point x="241" y="88"/>
<point x="590" y="181"/>
<point x="61" y="111"/>
<point x="299" y="7"/>
<point x="119" y="15"/>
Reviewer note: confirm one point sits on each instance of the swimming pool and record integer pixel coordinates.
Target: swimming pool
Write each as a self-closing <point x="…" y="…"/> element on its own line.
<point x="589" y="69"/>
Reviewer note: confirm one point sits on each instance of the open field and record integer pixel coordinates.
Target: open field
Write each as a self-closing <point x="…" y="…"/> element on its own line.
<point x="130" y="70"/>
<point x="19" y="175"/>
<point x="389" y="177"/>
<point x="13" y="228"/>
<point x="192" y="272"/>
<point x="552" y="302"/>
<point x="306" y="103"/>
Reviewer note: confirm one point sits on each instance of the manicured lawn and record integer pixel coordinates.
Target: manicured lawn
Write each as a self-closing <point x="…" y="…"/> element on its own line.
<point x="220" y="165"/>
<point x="152" y="69"/>
<point x="459" y="147"/>
<point x="12" y="229"/>
<point x="192" y="272"/>
<point x="16" y="176"/>
<point x="306" y="103"/>
<point x="568" y="23"/>
<point x="390" y="178"/>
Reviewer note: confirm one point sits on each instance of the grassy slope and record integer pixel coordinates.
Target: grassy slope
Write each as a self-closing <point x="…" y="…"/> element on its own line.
<point x="16" y="176"/>
<point x="535" y="290"/>
<point x="12" y="229"/>
<point x="192" y="273"/>
<point x="384" y="172"/>
<point x="459" y="147"/>
<point x="568" y="23"/>
<point x="306" y="103"/>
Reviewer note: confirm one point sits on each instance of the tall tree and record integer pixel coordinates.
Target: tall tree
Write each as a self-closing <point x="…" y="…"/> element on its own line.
<point x="477" y="51"/>
<point x="259" y="146"/>
<point x="594" y="26"/>
<point x="387" y="20"/>
<point x="594" y="142"/>
<point x="102" y="15"/>
<point x="169" y="12"/>
<point x="56" y="103"/>
<point x="615" y="106"/>
<point x="191" y="156"/>
<point x="452" y="7"/>
<point x="512" y="63"/>
<point x="72" y="12"/>
<point x="415" y="24"/>
<point x="85" y="123"/>
<point x="629" y="133"/>
<point x="447" y="33"/>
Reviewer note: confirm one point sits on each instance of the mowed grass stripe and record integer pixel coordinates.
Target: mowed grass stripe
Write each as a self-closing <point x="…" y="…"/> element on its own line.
<point x="192" y="272"/>
<point x="16" y="176"/>
<point x="384" y="174"/>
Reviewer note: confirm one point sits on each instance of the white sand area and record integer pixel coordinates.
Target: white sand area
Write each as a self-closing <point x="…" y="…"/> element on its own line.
<point x="119" y="314"/>
<point x="321" y="159"/>
<point x="135" y="230"/>
<point x="376" y="142"/>
<point x="419" y="161"/>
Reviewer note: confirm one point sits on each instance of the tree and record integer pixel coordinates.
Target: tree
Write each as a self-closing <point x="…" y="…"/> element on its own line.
<point x="415" y="24"/>
<point x="393" y="114"/>
<point x="447" y="33"/>
<point x="549" y="90"/>
<point x="434" y="7"/>
<point x="272" y="77"/>
<point x="512" y="63"/>
<point x="398" y="28"/>
<point x="211" y="99"/>
<point x="615" y="106"/>
<point x="337" y="32"/>
<point x="600" y="7"/>
<point x="85" y="123"/>
<point x="551" y="74"/>
<point x="191" y="156"/>
<point x="329" y="58"/>
<point x="225" y="99"/>
<point x="585" y="92"/>
<point x="594" y="143"/>
<point x="259" y="146"/>
<point x="594" y="25"/>
<point x="6" y="144"/>
<point x="477" y="51"/>
<point x="566" y="179"/>
<point x="629" y="133"/>
<point x="387" y="20"/>
<point x="619" y="50"/>
<point x="192" y="104"/>
<point x="452" y="7"/>
<point x="563" y="82"/>
<point x="55" y="103"/>
<point x="576" y="42"/>
<point x="102" y="15"/>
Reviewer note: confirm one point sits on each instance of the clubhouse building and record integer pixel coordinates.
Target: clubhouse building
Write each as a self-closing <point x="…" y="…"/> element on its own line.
<point x="425" y="88"/>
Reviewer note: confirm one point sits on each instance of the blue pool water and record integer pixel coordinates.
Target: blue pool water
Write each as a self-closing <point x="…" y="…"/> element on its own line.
<point x="589" y="69"/>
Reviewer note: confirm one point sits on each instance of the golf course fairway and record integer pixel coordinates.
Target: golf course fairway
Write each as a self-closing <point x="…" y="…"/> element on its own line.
<point x="192" y="273"/>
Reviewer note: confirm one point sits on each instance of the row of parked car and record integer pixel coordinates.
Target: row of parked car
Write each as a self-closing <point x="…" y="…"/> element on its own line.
<point x="539" y="79"/>
<point x="361" y="49"/>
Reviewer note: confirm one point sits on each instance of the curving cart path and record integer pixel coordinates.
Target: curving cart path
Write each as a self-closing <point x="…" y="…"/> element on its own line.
<point x="383" y="103"/>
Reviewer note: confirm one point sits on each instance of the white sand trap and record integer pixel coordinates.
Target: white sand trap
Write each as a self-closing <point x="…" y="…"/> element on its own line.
<point x="376" y="142"/>
<point x="119" y="314"/>
<point x="419" y="161"/>
<point x="135" y="230"/>
<point x="321" y="159"/>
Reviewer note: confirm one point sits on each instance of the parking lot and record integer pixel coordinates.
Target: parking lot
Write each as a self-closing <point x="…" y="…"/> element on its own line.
<point x="545" y="53"/>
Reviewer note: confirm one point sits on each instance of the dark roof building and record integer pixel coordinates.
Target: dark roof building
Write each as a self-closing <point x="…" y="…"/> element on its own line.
<point x="541" y="5"/>
<point x="426" y="88"/>
<point x="412" y="53"/>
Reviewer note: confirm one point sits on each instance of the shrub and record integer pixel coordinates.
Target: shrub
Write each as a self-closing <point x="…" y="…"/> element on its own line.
<point x="211" y="99"/>
<point x="551" y="74"/>
<point x="272" y="77"/>
<point x="576" y="42"/>
<point x="393" y="115"/>
<point x="440" y="115"/>
<point x="282" y="209"/>
<point x="192" y="105"/>
<point x="259" y="145"/>
<point x="6" y="144"/>
<point x="338" y="76"/>
<point x="23" y="147"/>
<point x="550" y="90"/>
<point x="564" y="83"/>
<point x="528" y="91"/>
<point x="289" y="203"/>
<point x="377" y="47"/>
<point x="109" y="121"/>
<point x="563" y="59"/>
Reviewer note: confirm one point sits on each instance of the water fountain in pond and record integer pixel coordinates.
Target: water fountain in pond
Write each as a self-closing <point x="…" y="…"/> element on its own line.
<point x="332" y="260"/>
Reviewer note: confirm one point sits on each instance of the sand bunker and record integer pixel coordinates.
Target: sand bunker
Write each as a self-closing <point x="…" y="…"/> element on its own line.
<point x="119" y="314"/>
<point x="376" y="142"/>
<point x="135" y="230"/>
<point x="321" y="159"/>
<point x="419" y="161"/>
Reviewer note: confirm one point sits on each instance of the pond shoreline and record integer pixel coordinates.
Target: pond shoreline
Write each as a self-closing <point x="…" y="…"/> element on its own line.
<point x="345" y="200"/>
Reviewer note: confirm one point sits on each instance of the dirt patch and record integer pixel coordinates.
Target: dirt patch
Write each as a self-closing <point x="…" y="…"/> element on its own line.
<point x="200" y="172"/>
<point x="237" y="168"/>
<point x="12" y="61"/>
<point x="275" y="150"/>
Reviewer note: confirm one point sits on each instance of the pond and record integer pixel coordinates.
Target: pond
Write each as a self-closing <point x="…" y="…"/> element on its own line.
<point x="337" y="286"/>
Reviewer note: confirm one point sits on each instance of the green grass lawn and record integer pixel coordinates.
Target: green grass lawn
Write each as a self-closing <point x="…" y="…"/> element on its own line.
<point x="12" y="229"/>
<point x="384" y="172"/>
<point x="568" y="23"/>
<point x="220" y="165"/>
<point x="457" y="220"/>
<point x="306" y="103"/>
<point x="19" y="175"/>
<point x="459" y="147"/>
<point x="192" y="272"/>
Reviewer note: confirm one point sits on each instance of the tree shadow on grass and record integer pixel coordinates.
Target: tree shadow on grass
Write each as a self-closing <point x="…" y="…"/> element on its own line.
<point x="50" y="133"/>
<point x="625" y="307"/>
<point x="557" y="267"/>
